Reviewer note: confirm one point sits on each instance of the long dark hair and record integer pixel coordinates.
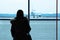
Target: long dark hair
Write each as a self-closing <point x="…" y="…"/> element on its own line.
<point x="19" y="14"/>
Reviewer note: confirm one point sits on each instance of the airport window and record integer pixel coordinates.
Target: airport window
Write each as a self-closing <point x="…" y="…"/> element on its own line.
<point x="41" y="11"/>
<point x="8" y="9"/>
<point x="35" y="10"/>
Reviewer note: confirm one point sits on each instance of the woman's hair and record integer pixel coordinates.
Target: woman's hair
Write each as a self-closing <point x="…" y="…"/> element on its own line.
<point x="19" y="14"/>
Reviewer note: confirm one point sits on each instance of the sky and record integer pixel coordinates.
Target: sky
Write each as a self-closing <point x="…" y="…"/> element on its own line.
<point x="43" y="6"/>
<point x="11" y="6"/>
<point x="40" y="6"/>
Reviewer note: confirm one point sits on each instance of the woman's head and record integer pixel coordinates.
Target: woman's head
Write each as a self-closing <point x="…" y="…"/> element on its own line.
<point x="19" y="14"/>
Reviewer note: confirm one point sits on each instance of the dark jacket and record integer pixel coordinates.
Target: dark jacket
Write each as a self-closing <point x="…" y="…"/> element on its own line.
<point x="20" y="29"/>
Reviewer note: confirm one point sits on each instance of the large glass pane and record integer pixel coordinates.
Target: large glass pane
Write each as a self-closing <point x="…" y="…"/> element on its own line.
<point x="43" y="30"/>
<point x="8" y="8"/>
<point x="42" y="9"/>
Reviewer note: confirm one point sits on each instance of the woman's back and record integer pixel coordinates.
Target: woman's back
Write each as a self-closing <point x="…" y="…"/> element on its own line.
<point x="20" y="27"/>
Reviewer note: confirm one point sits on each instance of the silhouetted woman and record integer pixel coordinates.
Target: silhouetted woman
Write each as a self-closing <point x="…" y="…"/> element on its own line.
<point x="20" y="27"/>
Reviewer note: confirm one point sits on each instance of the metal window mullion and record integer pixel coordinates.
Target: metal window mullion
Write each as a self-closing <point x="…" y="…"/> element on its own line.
<point x="56" y="19"/>
<point x="29" y="10"/>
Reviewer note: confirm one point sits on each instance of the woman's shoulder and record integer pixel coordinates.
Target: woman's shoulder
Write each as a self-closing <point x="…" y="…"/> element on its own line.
<point x="12" y="20"/>
<point x="25" y="18"/>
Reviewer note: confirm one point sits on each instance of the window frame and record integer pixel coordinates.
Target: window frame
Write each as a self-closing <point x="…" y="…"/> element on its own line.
<point x="44" y="19"/>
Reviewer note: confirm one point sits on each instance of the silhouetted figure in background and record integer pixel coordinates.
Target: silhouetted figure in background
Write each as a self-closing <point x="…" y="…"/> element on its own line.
<point x="20" y="27"/>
